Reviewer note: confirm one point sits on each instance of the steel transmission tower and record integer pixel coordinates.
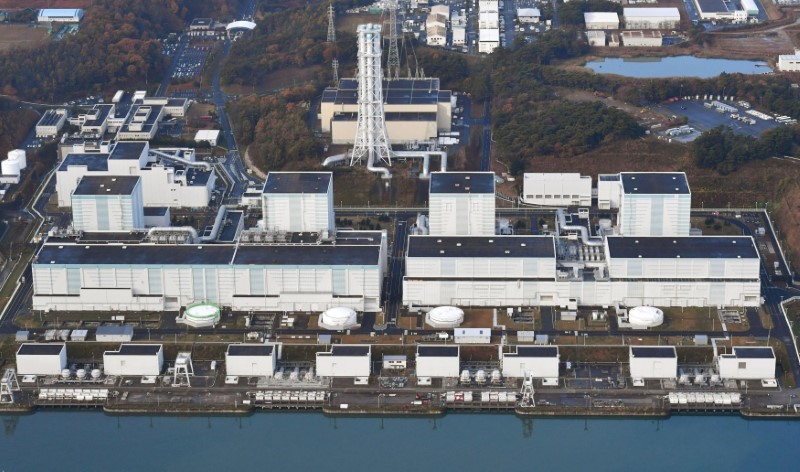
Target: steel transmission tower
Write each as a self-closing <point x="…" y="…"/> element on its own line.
<point x="331" y="24"/>
<point x="393" y="61"/>
<point x="335" y="65"/>
<point x="372" y="140"/>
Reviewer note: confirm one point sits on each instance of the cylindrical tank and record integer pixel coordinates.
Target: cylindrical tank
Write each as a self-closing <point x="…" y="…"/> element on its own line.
<point x="295" y="374"/>
<point x="65" y="374"/>
<point x="80" y="374"/>
<point x="9" y="167"/>
<point x="496" y="376"/>
<point x="445" y="317"/>
<point x="465" y="377"/>
<point x="96" y="374"/>
<point x="480" y="376"/>
<point x="19" y="156"/>
<point x="310" y="374"/>
<point x="278" y="375"/>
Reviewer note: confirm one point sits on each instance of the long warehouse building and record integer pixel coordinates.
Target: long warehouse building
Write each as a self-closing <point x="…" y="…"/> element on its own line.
<point x="294" y="275"/>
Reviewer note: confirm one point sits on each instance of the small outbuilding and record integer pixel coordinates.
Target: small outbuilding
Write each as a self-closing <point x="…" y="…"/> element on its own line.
<point x="653" y="362"/>
<point x="41" y="358"/>
<point x="542" y="362"/>
<point x="210" y="136"/>
<point x="345" y="361"/>
<point x="472" y="335"/>
<point x="251" y="360"/>
<point x="114" y="334"/>
<point x="438" y="361"/>
<point x="134" y="360"/>
<point x="394" y="362"/>
<point x="747" y="363"/>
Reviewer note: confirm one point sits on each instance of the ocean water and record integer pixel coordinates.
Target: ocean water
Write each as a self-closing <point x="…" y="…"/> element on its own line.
<point x="675" y="66"/>
<point x="92" y="441"/>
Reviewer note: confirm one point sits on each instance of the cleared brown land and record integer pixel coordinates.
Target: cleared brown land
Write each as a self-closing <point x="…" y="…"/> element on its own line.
<point x="21" y="35"/>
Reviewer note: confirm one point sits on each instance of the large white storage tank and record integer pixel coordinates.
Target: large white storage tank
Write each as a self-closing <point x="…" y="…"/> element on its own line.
<point x="445" y="317"/>
<point x="646" y="317"/>
<point x="339" y="318"/>
<point x="19" y="156"/>
<point x="9" y="167"/>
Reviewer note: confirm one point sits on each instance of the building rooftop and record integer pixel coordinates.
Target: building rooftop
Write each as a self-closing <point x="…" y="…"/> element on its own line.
<point x="136" y="350"/>
<point x="60" y="12"/>
<point x="395" y="92"/>
<point x="196" y="177"/>
<point x="489" y="35"/>
<point x="666" y="12"/>
<point x="98" y="185"/>
<point x="155" y="211"/>
<point x="230" y="229"/>
<point x="94" y="162"/>
<point x="694" y="247"/>
<point x="535" y="351"/>
<point x="654" y="351"/>
<point x="712" y="6"/>
<point x="250" y="349"/>
<point x="36" y="349"/>
<point x="350" y="351"/>
<point x="600" y="17"/>
<point x="298" y="182"/>
<point x="481" y="246"/>
<point x="654" y="183"/>
<point x="114" y="330"/>
<point x="528" y="12"/>
<point x="51" y="117"/>
<point x="128" y="150"/>
<point x="437" y="351"/>
<point x="462" y="182"/>
<point x="753" y="353"/>
<point x="101" y="111"/>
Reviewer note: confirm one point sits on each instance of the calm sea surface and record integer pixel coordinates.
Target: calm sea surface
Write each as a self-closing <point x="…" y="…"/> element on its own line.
<point x="465" y="442"/>
<point x="684" y="66"/>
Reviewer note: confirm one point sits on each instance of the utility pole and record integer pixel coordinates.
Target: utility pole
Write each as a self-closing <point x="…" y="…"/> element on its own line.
<point x="335" y="65"/>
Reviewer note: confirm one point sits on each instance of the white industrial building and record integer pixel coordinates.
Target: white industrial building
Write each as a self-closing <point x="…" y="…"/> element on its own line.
<point x="747" y="363"/>
<point x="488" y="20"/>
<point x="60" y="15"/>
<point x="540" y="362"/>
<point x="596" y="38"/>
<point x="106" y="203"/>
<point x="41" y="359"/>
<point x="141" y="123"/>
<point x="554" y="189"/>
<point x="251" y="360"/>
<point x="395" y="362"/>
<point x="462" y="203"/>
<point x="345" y="361"/>
<point x="209" y="136"/>
<point x="661" y="18"/>
<point x="528" y="15"/>
<point x="170" y="177"/>
<point x="51" y="123"/>
<point x="134" y="360"/>
<point x="488" y="40"/>
<point x="789" y="62"/>
<point x="298" y="202"/>
<point x="653" y="362"/>
<point x="601" y="20"/>
<point x="472" y="335"/>
<point x="114" y="334"/>
<point x="415" y="110"/>
<point x="436" y="36"/>
<point x="645" y="39"/>
<point x="438" y="361"/>
<point x="650" y="203"/>
<point x="293" y="272"/>
<point x="725" y="11"/>
<point x="173" y="106"/>
<point x="489" y="5"/>
<point x="459" y="35"/>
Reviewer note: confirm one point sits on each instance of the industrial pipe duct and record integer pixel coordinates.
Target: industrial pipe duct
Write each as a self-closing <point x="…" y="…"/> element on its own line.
<point x="562" y="224"/>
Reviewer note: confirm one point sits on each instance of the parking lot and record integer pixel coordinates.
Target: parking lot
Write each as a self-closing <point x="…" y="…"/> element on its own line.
<point x="703" y="119"/>
<point x="190" y="63"/>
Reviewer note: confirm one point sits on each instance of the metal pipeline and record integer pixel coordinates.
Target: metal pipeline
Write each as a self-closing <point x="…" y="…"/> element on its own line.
<point x="204" y="165"/>
<point x="333" y="159"/>
<point x="218" y="221"/>
<point x="174" y="229"/>
<point x="426" y="160"/>
<point x="562" y="224"/>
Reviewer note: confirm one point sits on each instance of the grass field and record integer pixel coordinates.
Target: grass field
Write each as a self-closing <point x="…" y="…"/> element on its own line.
<point x="21" y="36"/>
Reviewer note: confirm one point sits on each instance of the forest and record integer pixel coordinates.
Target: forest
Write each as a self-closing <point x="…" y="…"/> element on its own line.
<point x="724" y="151"/>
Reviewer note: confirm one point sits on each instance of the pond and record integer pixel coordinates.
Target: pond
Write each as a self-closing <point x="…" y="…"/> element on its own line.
<point x="675" y="66"/>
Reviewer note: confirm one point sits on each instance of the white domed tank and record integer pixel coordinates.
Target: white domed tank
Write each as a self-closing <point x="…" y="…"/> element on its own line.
<point x="96" y="374"/>
<point x="465" y="377"/>
<point x="80" y="374"/>
<point x="480" y="376"/>
<point x="310" y="375"/>
<point x="201" y="315"/>
<point x="445" y="317"/>
<point x="497" y="377"/>
<point x="19" y="156"/>
<point x="338" y="319"/>
<point x="9" y="167"/>
<point x="65" y="374"/>
<point x="646" y="317"/>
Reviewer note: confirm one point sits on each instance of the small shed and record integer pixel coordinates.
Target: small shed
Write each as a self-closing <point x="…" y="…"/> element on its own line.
<point x="41" y="358"/>
<point x="114" y="334"/>
<point x="79" y="335"/>
<point x="472" y="335"/>
<point x="23" y="335"/>
<point x="526" y="336"/>
<point x="394" y="362"/>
